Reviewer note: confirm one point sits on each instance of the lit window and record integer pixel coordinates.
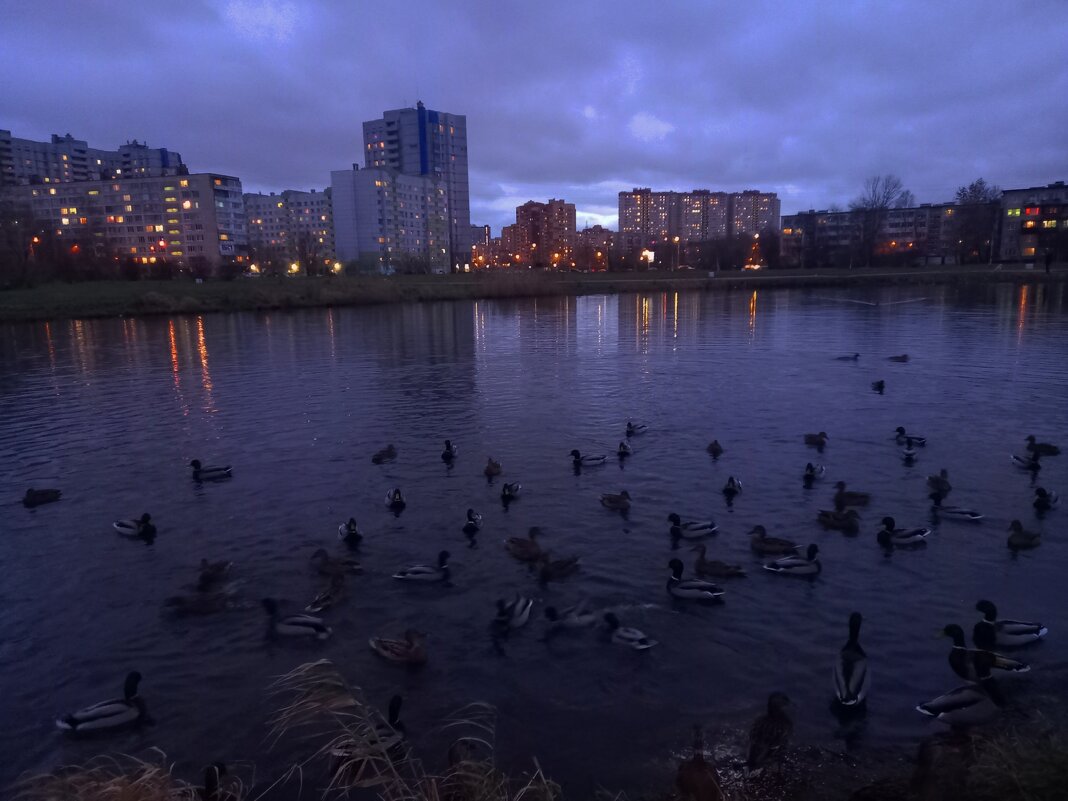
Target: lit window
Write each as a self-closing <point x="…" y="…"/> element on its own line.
<point x="1029" y="224"/>
<point x="51" y="191"/>
<point x="183" y="182"/>
<point x="64" y="158"/>
<point x="93" y="192"/>
<point x="218" y="181"/>
<point x="120" y="219"/>
<point x="65" y="220"/>
<point x="224" y="237"/>
<point x="128" y="208"/>
<point x="64" y="211"/>
<point x="168" y="189"/>
<point x="1049" y="223"/>
<point x="83" y="220"/>
<point x="187" y="204"/>
<point x="1013" y="213"/>
<point x="1029" y="251"/>
<point x="1031" y="211"/>
<point x="149" y="228"/>
<point x="159" y="229"/>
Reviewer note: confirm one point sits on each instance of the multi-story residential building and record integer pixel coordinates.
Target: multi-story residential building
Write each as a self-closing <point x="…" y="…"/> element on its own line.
<point x="594" y="246"/>
<point x="390" y="221"/>
<point x="1034" y="221"/>
<point x="420" y="142"/>
<point x="65" y="159"/>
<point x="543" y="234"/>
<point x="293" y="225"/>
<point x="480" y="235"/>
<point x="647" y="217"/>
<point x="752" y="212"/>
<point x="181" y="219"/>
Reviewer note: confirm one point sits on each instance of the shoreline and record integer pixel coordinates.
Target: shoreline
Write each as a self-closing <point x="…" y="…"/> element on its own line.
<point x="97" y="299"/>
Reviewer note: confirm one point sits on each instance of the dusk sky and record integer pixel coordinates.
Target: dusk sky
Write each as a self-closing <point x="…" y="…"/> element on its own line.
<point x="563" y="99"/>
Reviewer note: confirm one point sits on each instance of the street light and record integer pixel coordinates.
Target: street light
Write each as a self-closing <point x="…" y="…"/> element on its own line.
<point x="676" y="240"/>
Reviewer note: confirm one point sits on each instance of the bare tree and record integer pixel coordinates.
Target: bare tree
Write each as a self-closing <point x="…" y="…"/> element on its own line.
<point x="905" y="200"/>
<point x="978" y="191"/>
<point x="881" y="193"/>
<point x="976" y="220"/>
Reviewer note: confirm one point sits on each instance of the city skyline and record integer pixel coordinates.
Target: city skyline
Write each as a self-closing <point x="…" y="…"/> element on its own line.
<point x="730" y="98"/>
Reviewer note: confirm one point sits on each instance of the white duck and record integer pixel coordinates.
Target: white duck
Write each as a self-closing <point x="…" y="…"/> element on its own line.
<point x="438" y="572"/>
<point x="807" y="565"/>
<point x="623" y="635"/>
<point x="692" y="529"/>
<point x="294" y="625"/>
<point x="690" y="589"/>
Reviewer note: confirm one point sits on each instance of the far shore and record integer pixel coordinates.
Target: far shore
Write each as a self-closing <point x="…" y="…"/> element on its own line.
<point x="53" y="301"/>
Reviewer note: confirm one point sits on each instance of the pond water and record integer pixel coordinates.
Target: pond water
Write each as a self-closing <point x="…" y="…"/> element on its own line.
<point x="112" y="411"/>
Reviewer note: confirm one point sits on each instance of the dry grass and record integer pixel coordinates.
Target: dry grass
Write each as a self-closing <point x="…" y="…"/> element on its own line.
<point x="1020" y="766"/>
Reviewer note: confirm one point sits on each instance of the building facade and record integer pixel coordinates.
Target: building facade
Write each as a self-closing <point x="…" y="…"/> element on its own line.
<point x="543" y="234"/>
<point x="647" y="217"/>
<point x="433" y="144"/>
<point x="1034" y="221"/>
<point x="295" y="226"/>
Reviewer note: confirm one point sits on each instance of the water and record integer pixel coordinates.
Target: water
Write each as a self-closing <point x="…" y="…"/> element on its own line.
<point x="112" y="412"/>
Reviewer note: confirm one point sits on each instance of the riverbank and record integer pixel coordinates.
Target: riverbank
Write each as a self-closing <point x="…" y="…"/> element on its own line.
<point x="136" y="298"/>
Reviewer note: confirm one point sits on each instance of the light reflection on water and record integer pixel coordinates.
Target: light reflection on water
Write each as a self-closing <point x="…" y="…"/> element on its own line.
<point x="112" y="412"/>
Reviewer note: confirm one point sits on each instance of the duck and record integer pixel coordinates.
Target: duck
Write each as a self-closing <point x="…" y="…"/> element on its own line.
<point x="492" y="468"/>
<point x="703" y="566"/>
<point x="1021" y="538"/>
<point x="909" y="452"/>
<point x="572" y="617"/>
<point x="294" y="625"/>
<point x="770" y="734"/>
<point x="904" y="357"/>
<point x="955" y="512"/>
<point x="411" y="650"/>
<point x="624" y="635"/>
<point x="385" y="739"/>
<point x="395" y="499"/>
<point x="1041" y="448"/>
<point x="940" y="483"/>
<point x="37" y="497"/>
<point x="514" y="614"/>
<point x="847" y="521"/>
<point x="690" y="589"/>
<point x="620" y="502"/>
<point x="695" y="778"/>
<point x="732" y="487"/>
<point x="813" y="473"/>
<point x="967" y="705"/>
<point x="199" y="603"/>
<point x="878" y="386"/>
<point x="138" y="528"/>
<point x="844" y="497"/>
<point x="764" y="545"/>
<point x="971" y="664"/>
<point x="525" y="549"/>
<point x="850" y="358"/>
<point x="510" y="491"/>
<point x="349" y="532"/>
<point x="328" y="565"/>
<point x="438" y="572"/>
<point x="328" y="597"/>
<point x="109" y="714"/>
<point x="901" y="436"/>
<point x="714" y="449"/>
<point x="1009" y="633"/>
<point x="212" y="573"/>
<point x="796" y="565"/>
<point x="1032" y="463"/>
<point x="212" y="791"/>
<point x="817" y="441"/>
<point x="386" y="454"/>
<point x="473" y="522"/>
<point x="851" y="676"/>
<point x="450" y="452"/>
<point x="1045" y="500"/>
<point x="693" y="529"/>
<point x="624" y="450"/>
<point x="891" y="537"/>
<point x="586" y="461"/>
<point x="634" y="429"/>
<point x="555" y="569"/>
<point x="201" y="473"/>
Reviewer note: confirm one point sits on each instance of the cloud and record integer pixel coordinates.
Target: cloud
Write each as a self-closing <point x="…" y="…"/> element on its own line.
<point x="263" y="19"/>
<point x="589" y="112"/>
<point x="648" y="128"/>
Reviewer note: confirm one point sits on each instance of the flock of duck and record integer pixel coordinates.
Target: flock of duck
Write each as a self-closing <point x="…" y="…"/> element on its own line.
<point x="977" y="700"/>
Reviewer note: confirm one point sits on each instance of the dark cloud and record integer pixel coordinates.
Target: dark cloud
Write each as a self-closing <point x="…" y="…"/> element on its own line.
<point x="573" y="100"/>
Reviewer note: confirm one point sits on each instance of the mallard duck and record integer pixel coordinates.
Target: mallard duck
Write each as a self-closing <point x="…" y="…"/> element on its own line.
<point x="693" y="529"/>
<point x="690" y="589"/>
<point x="492" y="468"/>
<point x="847" y="521"/>
<point x="199" y="603"/>
<point x="212" y="790"/>
<point x="328" y="597"/>
<point x="714" y="449"/>
<point x="473" y="522"/>
<point x="891" y="537"/>
<point x="940" y="483"/>
<point x="141" y="528"/>
<point x="514" y="614"/>
<point x="732" y="487"/>
<point x="573" y="617"/>
<point x="844" y="498"/>
<point x="201" y="473"/>
<point x="1041" y="448"/>
<point x="972" y="664"/>
<point x="796" y="565"/>
<point x="764" y="545"/>
<point x="395" y="499"/>
<point x="510" y="491"/>
<point x="955" y="512"/>
<point x="329" y="565"/>
<point x="901" y="436"/>
<point x="411" y="650"/>
<point x="1009" y="633"/>
<point x="909" y="453"/>
<point x="696" y="779"/>
<point x="525" y="549"/>
<point x="386" y="738"/>
<point x="985" y="639"/>
<point x="623" y="635"/>
<point x="904" y="357"/>
<point x="634" y="429"/>
<point x="386" y="454"/>
<point x="1021" y="538"/>
<point x="450" y="452"/>
<point x="624" y="450"/>
<point x="851" y="358"/>
<point x="1032" y="463"/>
<point x="620" y="502"/>
<point x="294" y="625"/>
<point x="878" y="386"/>
<point x="586" y="461"/>
<point x="967" y="705"/>
<point x="555" y="569"/>
<point x="813" y="473"/>
<point x="817" y="441"/>
<point x="770" y="735"/>
<point x="438" y="572"/>
<point x="713" y="567"/>
<point x="851" y="676"/>
<point x="37" y="497"/>
<point x="212" y="573"/>
<point x="1045" y="500"/>
<point x="108" y="714"/>
<point x="349" y="532"/>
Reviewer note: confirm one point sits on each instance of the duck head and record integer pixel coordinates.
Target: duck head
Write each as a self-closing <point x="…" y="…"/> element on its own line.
<point x="575" y="454"/>
<point x="759" y="532"/>
<point x="612" y="621"/>
<point x="129" y="687"/>
<point x="195" y="464"/>
<point x="1031" y="439"/>
<point x="810" y="554"/>
<point x="955" y="633"/>
<point x="889" y="523"/>
<point x="624" y="494"/>
<point x="676" y="568"/>
<point x="900" y="431"/>
<point x="855" y="620"/>
<point x="990" y="612"/>
<point x="394" y="711"/>
<point x="146" y="517"/>
<point x="841" y="485"/>
<point x="1016" y="527"/>
<point x="471" y="515"/>
<point x="443" y="559"/>
<point x="674" y="518"/>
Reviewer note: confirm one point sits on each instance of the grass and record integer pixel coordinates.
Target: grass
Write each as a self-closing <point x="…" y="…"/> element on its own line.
<point x="1020" y="765"/>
